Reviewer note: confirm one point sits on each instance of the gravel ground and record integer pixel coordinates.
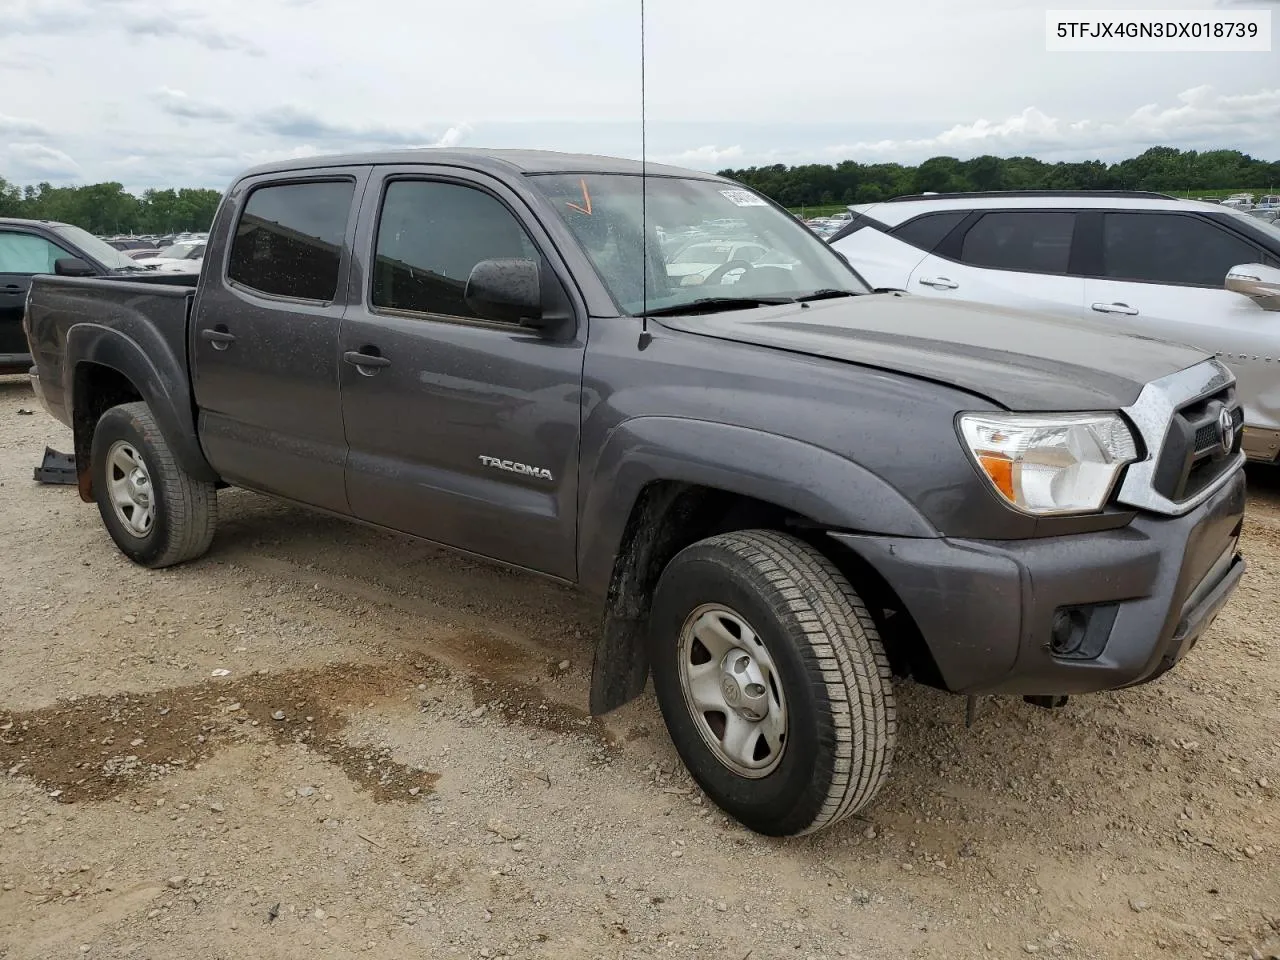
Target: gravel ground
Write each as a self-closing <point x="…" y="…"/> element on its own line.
<point x="322" y="741"/>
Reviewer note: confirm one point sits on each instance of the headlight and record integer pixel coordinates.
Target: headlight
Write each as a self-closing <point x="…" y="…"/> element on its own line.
<point x="1050" y="463"/>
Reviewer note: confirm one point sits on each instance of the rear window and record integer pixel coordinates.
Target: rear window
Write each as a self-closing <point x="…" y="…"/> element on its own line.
<point x="926" y="232"/>
<point x="1031" y="242"/>
<point x="288" y="242"/>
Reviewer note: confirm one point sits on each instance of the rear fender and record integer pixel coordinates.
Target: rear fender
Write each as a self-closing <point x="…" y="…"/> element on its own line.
<point x="158" y="375"/>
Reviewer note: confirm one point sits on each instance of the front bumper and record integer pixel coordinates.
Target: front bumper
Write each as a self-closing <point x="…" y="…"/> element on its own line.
<point x="1146" y="593"/>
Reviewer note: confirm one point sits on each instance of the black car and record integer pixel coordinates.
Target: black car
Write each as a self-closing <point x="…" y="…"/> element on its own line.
<point x="30" y="247"/>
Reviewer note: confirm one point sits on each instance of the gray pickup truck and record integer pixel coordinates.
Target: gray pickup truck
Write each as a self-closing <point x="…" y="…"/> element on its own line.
<point x="785" y="488"/>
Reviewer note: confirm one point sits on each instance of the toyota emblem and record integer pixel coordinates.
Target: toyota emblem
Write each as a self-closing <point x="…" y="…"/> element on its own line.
<point x="1226" y="432"/>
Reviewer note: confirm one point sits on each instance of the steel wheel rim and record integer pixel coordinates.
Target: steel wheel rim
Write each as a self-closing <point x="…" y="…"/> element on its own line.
<point x="129" y="489"/>
<point x="733" y="691"/>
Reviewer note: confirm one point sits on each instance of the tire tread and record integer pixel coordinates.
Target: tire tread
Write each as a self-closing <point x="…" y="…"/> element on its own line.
<point x="190" y="505"/>
<point x="844" y="649"/>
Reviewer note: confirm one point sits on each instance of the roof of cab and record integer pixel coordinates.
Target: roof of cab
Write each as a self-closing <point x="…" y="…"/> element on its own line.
<point x="498" y="161"/>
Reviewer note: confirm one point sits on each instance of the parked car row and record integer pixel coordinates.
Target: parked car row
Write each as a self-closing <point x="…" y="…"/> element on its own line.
<point x="784" y="489"/>
<point x="825" y="227"/>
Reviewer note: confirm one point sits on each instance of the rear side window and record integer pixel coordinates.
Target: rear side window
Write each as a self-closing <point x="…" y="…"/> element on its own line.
<point x="430" y="236"/>
<point x="1032" y="241"/>
<point x="288" y="242"/>
<point x="926" y="232"/>
<point x="1169" y="248"/>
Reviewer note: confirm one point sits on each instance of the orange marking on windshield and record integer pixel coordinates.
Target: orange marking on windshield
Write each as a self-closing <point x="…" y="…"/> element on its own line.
<point x="586" y="199"/>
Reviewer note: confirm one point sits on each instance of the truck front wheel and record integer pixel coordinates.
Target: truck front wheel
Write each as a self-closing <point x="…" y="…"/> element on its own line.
<point x="156" y="513"/>
<point x="772" y="681"/>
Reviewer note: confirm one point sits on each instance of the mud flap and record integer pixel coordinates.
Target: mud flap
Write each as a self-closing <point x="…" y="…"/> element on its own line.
<point x="56" y="468"/>
<point x="621" y="666"/>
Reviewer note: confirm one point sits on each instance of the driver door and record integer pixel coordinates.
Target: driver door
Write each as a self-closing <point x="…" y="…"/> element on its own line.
<point x="464" y="431"/>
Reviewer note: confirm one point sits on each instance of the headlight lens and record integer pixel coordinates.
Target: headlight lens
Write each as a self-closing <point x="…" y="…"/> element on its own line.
<point x="1048" y="464"/>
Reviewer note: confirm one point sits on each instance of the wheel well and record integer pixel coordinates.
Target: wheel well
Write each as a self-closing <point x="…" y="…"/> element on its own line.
<point x="669" y="516"/>
<point x="95" y="390"/>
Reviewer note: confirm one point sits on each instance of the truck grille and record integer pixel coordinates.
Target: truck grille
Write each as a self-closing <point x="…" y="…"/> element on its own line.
<point x="1193" y="454"/>
<point x="1192" y="425"/>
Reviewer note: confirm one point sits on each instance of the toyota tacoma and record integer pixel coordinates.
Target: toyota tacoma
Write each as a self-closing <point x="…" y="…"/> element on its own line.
<point x="787" y="490"/>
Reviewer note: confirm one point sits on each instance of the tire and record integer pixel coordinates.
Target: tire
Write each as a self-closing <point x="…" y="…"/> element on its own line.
<point x="827" y="704"/>
<point x="183" y="510"/>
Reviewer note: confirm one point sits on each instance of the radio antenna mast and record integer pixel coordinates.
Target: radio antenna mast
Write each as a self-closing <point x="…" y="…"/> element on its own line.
<point x="644" y="198"/>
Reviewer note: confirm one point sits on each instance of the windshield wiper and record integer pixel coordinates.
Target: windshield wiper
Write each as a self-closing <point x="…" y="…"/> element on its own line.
<point x="717" y="304"/>
<point x="825" y="294"/>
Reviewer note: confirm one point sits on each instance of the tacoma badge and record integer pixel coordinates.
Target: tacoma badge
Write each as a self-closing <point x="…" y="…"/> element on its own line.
<point x="541" y="473"/>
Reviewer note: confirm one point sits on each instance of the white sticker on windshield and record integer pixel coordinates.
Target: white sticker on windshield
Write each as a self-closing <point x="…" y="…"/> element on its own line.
<point x="742" y="198"/>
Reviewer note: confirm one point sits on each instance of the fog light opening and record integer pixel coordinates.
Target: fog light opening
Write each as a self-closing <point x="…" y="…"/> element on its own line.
<point x="1067" y="633"/>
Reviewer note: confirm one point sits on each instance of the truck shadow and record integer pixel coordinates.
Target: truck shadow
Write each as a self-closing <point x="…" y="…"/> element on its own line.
<point x="509" y="625"/>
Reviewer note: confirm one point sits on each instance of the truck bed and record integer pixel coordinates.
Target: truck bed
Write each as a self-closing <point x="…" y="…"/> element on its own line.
<point x="151" y="312"/>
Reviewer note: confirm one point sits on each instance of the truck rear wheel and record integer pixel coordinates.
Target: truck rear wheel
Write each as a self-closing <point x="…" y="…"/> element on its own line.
<point x="772" y="681"/>
<point x="156" y="513"/>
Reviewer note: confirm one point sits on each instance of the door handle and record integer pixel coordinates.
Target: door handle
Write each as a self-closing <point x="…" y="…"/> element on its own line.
<point x="367" y="363"/>
<point x="11" y="288"/>
<point x="1124" y="308"/>
<point x="218" y="336"/>
<point x="939" y="283"/>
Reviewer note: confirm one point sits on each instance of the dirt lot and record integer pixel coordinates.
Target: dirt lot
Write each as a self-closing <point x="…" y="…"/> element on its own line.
<point x="321" y="741"/>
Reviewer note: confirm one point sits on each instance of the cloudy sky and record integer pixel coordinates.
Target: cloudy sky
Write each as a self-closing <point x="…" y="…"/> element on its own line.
<point x="188" y="92"/>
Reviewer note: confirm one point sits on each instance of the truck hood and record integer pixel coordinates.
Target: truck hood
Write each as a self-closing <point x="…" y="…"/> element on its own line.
<point x="1020" y="359"/>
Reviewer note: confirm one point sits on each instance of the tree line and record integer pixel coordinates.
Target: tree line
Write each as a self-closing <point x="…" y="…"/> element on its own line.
<point x="1161" y="169"/>
<point x="108" y="209"/>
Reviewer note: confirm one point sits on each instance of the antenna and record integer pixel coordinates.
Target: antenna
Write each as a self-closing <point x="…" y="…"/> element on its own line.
<point x="644" y="201"/>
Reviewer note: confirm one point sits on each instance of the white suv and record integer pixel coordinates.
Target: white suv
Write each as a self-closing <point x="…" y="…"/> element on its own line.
<point x="1180" y="270"/>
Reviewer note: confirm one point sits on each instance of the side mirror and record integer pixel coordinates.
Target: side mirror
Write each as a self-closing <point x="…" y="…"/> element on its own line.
<point x="1258" y="282"/>
<point x="73" y="267"/>
<point x="508" y="290"/>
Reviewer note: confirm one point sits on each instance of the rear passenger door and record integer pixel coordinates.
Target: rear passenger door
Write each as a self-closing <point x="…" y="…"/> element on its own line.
<point x="265" y="335"/>
<point x="1010" y="258"/>
<point x="461" y="430"/>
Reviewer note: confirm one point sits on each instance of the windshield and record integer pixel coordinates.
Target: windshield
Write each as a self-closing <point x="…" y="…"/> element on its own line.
<point x="742" y="247"/>
<point x="100" y="250"/>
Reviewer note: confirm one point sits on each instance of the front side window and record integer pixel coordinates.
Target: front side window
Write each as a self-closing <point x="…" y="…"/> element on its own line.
<point x="26" y="253"/>
<point x="431" y="234"/>
<point x="690" y="244"/>
<point x="288" y="242"/>
<point x="1170" y="248"/>
<point x="1029" y="241"/>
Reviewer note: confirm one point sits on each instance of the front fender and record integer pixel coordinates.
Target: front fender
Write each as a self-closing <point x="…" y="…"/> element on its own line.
<point x="813" y="482"/>
<point x="158" y="374"/>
